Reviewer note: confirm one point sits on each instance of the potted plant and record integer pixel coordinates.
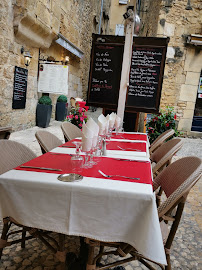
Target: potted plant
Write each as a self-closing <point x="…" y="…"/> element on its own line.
<point x="159" y="123"/>
<point x="43" y="111"/>
<point x="61" y="108"/>
<point x="78" y="115"/>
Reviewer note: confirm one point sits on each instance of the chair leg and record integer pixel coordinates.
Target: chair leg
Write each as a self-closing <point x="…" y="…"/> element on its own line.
<point x="168" y="266"/>
<point x="91" y="254"/>
<point x="23" y="238"/>
<point x="4" y="234"/>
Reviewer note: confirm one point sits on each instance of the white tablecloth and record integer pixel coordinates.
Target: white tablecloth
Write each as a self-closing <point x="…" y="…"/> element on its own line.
<point x="101" y="209"/>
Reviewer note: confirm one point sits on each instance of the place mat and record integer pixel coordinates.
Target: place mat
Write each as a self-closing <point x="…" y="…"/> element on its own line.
<point x="127" y="136"/>
<point x="109" y="166"/>
<point x="127" y="146"/>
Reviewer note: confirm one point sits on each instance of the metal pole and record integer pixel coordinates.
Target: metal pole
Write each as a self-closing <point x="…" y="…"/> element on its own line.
<point x="102" y="1"/>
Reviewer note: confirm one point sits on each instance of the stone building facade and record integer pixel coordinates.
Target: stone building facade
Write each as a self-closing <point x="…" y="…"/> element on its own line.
<point x="35" y="25"/>
<point x="178" y="19"/>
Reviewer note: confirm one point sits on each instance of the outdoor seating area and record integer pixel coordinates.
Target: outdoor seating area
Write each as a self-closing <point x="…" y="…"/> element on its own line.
<point x="129" y="170"/>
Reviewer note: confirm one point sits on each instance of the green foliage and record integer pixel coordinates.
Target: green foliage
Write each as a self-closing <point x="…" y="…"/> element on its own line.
<point x="46" y="100"/>
<point x="62" y="98"/>
<point x="161" y="122"/>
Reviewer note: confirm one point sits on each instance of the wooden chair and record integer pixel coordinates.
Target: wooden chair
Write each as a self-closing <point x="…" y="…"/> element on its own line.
<point x="70" y="131"/>
<point x="13" y="154"/>
<point x="162" y="157"/>
<point x="176" y="181"/>
<point x="47" y="140"/>
<point x="160" y="140"/>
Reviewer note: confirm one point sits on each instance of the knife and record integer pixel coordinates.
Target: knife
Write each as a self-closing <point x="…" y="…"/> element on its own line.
<point x="41" y="168"/>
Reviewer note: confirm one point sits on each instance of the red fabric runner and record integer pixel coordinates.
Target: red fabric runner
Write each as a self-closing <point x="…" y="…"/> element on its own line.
<point x="126" y="136"/>
<point x="109" y="166"/>
<point x="128" y="146"/>
<point x="114" y="145"/>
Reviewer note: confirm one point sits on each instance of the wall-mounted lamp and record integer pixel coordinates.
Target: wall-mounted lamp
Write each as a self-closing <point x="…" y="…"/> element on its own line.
<point x="27" y="56"/>
<point x="66" y="60"/>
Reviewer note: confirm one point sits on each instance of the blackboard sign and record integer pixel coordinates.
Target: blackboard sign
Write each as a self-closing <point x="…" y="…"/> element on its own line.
<point x="105" y="71"/>
<point x="145" y="78"/>
<point x="19" y="88"/>
<point x="146" y="74"/>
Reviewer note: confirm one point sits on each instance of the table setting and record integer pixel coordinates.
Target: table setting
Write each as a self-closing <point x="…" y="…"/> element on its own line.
<point x="81" y="189"/>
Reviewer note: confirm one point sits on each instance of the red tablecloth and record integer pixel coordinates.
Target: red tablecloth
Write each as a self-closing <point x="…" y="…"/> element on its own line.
<point x="107" y="165"/>
<point x="117" y="145"/>
<point x="126" y="136"/>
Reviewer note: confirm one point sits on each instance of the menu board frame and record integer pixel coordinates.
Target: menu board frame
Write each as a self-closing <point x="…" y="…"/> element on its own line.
<point x="19" y="88"/>
<point x="141" y="42"/>
<point x="105" y="41"/>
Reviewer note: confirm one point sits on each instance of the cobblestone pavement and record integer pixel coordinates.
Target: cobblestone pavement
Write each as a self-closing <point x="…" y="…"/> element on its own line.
<point x="186" y="252"/>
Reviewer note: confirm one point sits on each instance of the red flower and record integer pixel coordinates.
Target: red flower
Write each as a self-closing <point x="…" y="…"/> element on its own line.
<point x="167" y="124"/>
<point x="175" y="117"/>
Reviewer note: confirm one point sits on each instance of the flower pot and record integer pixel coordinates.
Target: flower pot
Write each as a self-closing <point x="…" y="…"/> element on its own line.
<point x="61" y="111"/>
<point x="43" y="115"/>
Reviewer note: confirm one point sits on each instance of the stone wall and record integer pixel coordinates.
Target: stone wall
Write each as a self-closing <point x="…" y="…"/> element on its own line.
<point x="183" y="63"/>
<point x="35" y="24"/>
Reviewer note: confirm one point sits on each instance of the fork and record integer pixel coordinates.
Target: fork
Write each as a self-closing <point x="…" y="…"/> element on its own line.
<point x="116" y="175"/>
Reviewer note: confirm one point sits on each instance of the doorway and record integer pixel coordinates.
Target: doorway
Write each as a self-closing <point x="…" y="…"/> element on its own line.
<point x="197" y="119"/>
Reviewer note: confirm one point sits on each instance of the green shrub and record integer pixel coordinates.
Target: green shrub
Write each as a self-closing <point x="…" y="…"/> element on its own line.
<point x="46" y="100"/>
<point x="62" y="98"/>
<point x="161" y="122"/>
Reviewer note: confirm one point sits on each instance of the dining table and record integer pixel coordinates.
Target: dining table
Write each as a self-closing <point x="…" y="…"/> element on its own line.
<point x="118" y="208"/>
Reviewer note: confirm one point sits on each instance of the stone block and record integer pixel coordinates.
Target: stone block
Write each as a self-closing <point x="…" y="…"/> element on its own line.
<point x="180" y="79"/>
<point x="56" y="9"/>
<point x="43" y="14"/>
<point x="169" y="29"/>
<point x="188" y="93"/>
<point x="188" y="114"/>
<point x="190" y="105"/>
<point x="170" y="52"/>
<point x="184" y="124"/>
<point x="192" y="78"/>
<point x="193" y="60"/>
<point x="55" y="23"/>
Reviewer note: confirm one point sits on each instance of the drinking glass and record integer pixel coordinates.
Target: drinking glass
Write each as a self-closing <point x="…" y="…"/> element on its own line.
<point x="77" y="159"/>
<point x="87" y="149"/>
<point x="77" y="155"/>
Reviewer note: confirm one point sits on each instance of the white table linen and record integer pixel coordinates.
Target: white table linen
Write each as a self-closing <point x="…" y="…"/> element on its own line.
<point x="96" y="208"/>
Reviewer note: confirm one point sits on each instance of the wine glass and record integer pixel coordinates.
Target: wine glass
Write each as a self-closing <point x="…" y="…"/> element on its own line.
<point x="77" y="159"/>
<point x="77" y="154"/>
<point x="86" y="147"/>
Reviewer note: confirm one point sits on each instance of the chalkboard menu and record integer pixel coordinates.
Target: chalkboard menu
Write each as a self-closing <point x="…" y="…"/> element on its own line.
<point x="145" y="78"/>
<point x="19" y="88"/>
<point x="146" y="74"/>
<point x="105" y="72"/>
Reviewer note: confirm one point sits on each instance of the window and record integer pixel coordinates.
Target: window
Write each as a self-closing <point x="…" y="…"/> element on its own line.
<point x="123" y="2"/>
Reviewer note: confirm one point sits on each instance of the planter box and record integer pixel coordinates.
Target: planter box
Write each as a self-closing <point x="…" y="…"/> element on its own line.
<point x="43" y="115"/>
<point x="61" y="111"/>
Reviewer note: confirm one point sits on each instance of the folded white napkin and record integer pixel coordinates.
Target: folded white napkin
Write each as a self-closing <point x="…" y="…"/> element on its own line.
<point x="93" y="126"/>
<point x="102" y="123"/>
<point x="112" y="118"/>
<point x="117" y="122"/>
<point x="87" y="137"/>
